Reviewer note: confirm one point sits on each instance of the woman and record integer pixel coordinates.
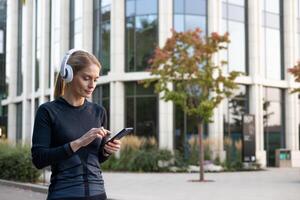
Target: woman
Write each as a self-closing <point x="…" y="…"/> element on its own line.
<point x="69" y="135"/>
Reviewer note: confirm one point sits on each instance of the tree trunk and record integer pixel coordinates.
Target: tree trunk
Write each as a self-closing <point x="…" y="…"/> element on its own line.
<point x="201" y="151"/>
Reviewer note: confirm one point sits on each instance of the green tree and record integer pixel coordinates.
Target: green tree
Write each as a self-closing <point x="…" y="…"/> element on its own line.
<point x="184" y="72"/>
<point x="295" y="71"/>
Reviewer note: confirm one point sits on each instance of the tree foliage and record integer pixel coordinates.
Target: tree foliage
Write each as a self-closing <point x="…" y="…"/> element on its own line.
<point x="186" y="61"/>
<point x="295" y="71"/>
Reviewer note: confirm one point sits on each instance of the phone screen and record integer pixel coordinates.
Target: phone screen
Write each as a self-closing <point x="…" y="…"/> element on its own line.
<point x="120" y="134"/>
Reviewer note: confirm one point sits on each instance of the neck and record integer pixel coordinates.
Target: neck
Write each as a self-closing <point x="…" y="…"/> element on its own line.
<point x="72" y="99"/>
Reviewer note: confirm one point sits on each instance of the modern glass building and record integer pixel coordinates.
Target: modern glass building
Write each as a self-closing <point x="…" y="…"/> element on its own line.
<point x="265" y="38"/>
<point x="3" y="88"/>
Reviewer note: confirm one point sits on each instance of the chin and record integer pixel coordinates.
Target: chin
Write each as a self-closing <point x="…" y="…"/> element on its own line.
<point x="88" y="95"/>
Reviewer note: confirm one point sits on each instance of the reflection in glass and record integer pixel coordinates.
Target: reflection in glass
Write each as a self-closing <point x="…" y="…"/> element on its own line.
<point x="234" y="23"/>
<point x="141" y="109"/>
<point x="101" y="96"/>
<point x="19" y="51"/>
<point x="76" y="20"/>
<point x="273" y="122"/>
<point x="272" y="6"/>
<point x="141" y="33"/>
<point x="185" y="130"/>
<point x="101" y="33"/>
<point x="234" y="109"/>
<point x="19" y="123"/>
<point x="189" y="14"/>
<point x="271" y="47"/>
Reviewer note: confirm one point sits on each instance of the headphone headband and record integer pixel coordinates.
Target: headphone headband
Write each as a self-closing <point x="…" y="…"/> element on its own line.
<point x="66" y="71"/>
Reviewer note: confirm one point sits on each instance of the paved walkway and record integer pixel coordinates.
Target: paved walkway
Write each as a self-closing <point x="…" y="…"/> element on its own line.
<point x="13" y="193"/>
<point x="272" y="184"/>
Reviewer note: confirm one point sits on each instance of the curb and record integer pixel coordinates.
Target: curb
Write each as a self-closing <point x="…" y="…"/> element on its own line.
<point x="25" y="186"/>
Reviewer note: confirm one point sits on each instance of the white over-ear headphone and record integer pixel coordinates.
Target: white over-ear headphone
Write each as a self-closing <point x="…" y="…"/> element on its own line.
<point x="66" y="71"/>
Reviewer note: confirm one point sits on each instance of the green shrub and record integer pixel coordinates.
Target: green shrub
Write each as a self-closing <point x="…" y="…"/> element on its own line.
<point x="140" y="155"/>
<point x="15" y="164"/>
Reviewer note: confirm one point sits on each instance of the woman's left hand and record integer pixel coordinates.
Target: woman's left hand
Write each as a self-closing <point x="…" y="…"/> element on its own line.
<point x="113" y="146"/>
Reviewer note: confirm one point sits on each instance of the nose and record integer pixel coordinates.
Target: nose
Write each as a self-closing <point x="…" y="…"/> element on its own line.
<point x="91" y="84"/>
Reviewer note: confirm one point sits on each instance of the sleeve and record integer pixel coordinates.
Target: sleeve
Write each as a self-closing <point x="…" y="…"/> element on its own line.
<point x="101" y="156"/>
<point x="42" y="154"/>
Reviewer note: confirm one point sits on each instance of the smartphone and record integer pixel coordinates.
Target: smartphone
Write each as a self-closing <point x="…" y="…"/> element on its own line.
<point x="120" y="134"/>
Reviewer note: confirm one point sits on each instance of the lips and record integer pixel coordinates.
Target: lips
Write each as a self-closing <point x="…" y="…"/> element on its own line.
<point x="89" y="91"/>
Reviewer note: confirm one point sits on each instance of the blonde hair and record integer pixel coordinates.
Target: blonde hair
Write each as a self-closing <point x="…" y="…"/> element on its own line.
<point x="78" y="61"/>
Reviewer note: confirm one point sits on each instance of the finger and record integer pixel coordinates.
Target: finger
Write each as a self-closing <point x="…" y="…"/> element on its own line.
<point x="115" y="143"/>
<point x="100" y="132"/>
<point x="113" y="147"/>
<point x="111" y="150"/>
<point x="105" y="130"/>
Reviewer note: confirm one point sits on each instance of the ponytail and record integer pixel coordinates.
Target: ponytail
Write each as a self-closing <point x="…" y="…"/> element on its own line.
<point x="59" y="87"/>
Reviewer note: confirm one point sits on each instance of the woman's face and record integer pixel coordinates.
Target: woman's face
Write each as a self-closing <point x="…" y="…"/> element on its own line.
<point x="84" y="82"/>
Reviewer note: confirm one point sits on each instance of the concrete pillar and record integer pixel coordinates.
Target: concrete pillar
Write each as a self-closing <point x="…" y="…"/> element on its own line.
<point x="87" y="29"/>
<point x="27" y="54"/>
<point x="64" y="24"/>
<point x="257" y="73"/>
<point x="44" y="67"/>
<point x="216" y="129"/>
<point x="117" y="115"/>
<point x="11" y="61"/>
<point x="166" y="110"/>
<point x="117" y="64"/>
<point x="291" y="100"/>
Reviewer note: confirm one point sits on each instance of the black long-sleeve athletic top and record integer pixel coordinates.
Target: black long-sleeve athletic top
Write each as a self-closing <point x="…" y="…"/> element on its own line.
<point x="76" y="175"/>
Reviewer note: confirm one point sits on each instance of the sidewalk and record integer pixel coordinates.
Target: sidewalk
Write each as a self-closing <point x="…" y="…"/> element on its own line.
<point x="272" y="184"/>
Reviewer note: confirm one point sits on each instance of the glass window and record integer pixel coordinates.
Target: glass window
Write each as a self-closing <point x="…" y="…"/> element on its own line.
<point x="130" y="8"/>
<point x="19" y="50"/>
<point x="101" y="96"/>
<point x="1" y="41"/>
<point x="271" y="21"/>
<point x="233" y="110"/>
<point x="195" y="7"/>
<point x="271" y="45"/>
<point x="141" y="106"/>
<point x="192" y="22"/>
<point x="273" y="60"/>
<point x="36" y="104"/>
<point x="272" y="6"/>
<point x="237" y="2"/>
<point x="178" y="6"/>
<point x="38" y="44"/>
<point x="101" y="34"/>
<point x="236" y="13"/>
<point x="141" y="33"/>
<point x="76" y="13"/>
<point x="19" y="122"/>
<point x="189" y="14"/>
<point x="146" y="7"/>
<point x="235" y="25"/>
<point x="273" y="109"/>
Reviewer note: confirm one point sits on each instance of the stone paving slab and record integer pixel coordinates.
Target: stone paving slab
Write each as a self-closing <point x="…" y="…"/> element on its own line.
<point x="270" y="184"/>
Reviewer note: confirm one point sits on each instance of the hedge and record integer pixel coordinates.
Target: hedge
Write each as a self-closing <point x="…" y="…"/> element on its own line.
<point x="15" y="163"/>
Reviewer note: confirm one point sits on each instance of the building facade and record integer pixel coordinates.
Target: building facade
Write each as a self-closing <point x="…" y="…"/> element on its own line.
<point x="3" y="87"/>
<point x="265" y="40"/>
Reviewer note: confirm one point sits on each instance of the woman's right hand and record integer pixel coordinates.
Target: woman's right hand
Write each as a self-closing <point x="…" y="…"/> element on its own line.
<point x="87" y="138"/>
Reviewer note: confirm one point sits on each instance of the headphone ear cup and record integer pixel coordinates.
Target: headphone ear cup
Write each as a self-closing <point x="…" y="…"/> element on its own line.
<point x="69" y="74"/>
